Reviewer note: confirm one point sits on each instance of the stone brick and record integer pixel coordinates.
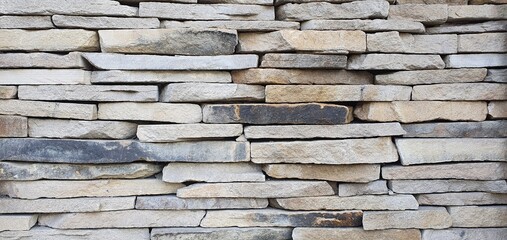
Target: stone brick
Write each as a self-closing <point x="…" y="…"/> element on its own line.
<point x="460" y="233"/>
<point x="12" y="205"/>
<point x="490" y="26"/>
<point x="472" y="171"/>
<point x="338" y="173"/>
<point x="354" y="189"/>
<point x="300" y="76"/>
<point x="461" y="91"/>
<point x="457" y="199"/>
<point x="477" y="13"/>
<point x="158" y="112"/>
<point x="354" y="234"/>
<point x="25" y="22"/>
<point x="483" y="216"/>
<point x="376" y="25"/>
<point x="395" y="202"/>
<point x="206" y="11"/>
<point x="221" y="233"/>
<point x="57" y="234"/>
<point x="395" y="42"/>
<point x="290" y="60"/>
<point x="43" y="60"/>
<point x="44" y="76"/>
<point x="476" y="60"/>
<point x="68" y="7"/>
<point x="438" y="186"/>
<point x="211" y="92"/>
<point x="216" y="172"/>
<point x="497" y="75"/>
<point x="324" y="10"/>
<point x="483" y="42"/>
<point x="240" y="26"/>
<point x="63" y="21"/>
<point x="48" y="109"/>
<point x="53" y="128"/>
<point x="379" y="61"/>
<point x="13" y="126"/>
<point x="17" y="222"/>
<point x="52" y="40"/>
<point x="116" y="76"/>
<point x="8" y="92"/>
<point x="486" y="129"/>
<point x="431" y="76"/>
<point x="176" y="203"/>
<point x="497" y="109"/>
<point x="424" y="218"/>
<point x="434" y="14"/>
<point x="185" y="132"/>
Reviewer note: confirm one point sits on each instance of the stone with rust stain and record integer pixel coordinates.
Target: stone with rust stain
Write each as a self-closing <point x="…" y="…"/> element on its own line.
<point x="13" y="126"/>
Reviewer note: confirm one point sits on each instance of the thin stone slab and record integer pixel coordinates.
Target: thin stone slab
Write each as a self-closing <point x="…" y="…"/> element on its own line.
<point x="181" y="41"/>
<point x="240" y="26"/>
<point x="12" y="205"/>
<point x="211" y="92"/>
<point x="395" y="202"/>
<point x="379" y="61"/>
<point x="187" y="132"/>
<point x="45" y="233"/>
<point x="422" y="150"/>
<point x="41" y="60"/>
<point x="157" y="112"/>
<point x="206" y="11"/>
<point x="325" y="10"/>
<point x="175" y="203"/>
<point x="421" y="111"/>
<point x="44" y="76"/>
<point x="432" y="76"/>
<point x="301" y="76"/>
<point x="311" y="113"/>
<point x="221" y="233"/>
<point x="304" y="41"/>
<point x="483" y="42"/>
<point x="48" y="109"/>
<point x="117" y="76"/>
<point x="395" y="42"/>
<point x="281" y="218"/>
<point x="68" y="7"/>
<point x="433" y="14"/>
<point x="215" y="172"/>
<point x="497" y="109"/>
<point x="13" y="126"/>
<point x="449" y="2"/>
<point x="8" y="92"/>
<point x="354" y="234"/>
<point x="268" y="189"/>
<point x="480" y="2"/>
<point x="326" y="93"/>
<point x="424" y="218"/>
<point x="471" y="171"/>
<point x="378" y="187"/>
<point x="17" y="222"/>
<point x="490" y="26"/>
<point x="476" y="60"/>
<point x="37" y="171"/>
<point x="457" y="199"/>
<point x="350" y="151"/>
<point x="256" y="2"/>
<point x="438" y="186"/>
<point x="115" y="61"/>
<point x="52" y="40"/>
<point x="121" y="151"/>
<point x="477" y="13"/>
<point x="483" y="216"/>
<point x="375" y="25"/>
<point x="53" y="128"/>
<point x="338" y="173"/>
<point x="497" y="75"/>
<point x="467" y="233"/>
<point x="62" y="21"/>
<point x="460" y="91"/>
<point x="486" y="129"/>
<point x="289" y="60"/>
<point x="123" y="219"/>
<point x="91" y="188"/>
<point x="26" y="22"/>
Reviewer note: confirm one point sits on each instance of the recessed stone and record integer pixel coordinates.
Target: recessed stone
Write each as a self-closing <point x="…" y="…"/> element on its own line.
<point x="216" y="172"/>
<point x="451" y="185"/>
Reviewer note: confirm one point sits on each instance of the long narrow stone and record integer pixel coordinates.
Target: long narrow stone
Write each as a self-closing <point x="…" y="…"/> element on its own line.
<point x="434" y="14"/>
<point x="57" y="234"/>
<point x="457" y="199"/>
<point x="115" y="61"/>
<point x="471" y="171"/>
<point x="268" y="189"/>
<point x="476" y="60"/>
<point x="206" y="11"/>
<point x="63" y="21"/>
<point x="42" y="60"/>
<point x="461" y="91"/>
<point x="8" y="92"/>
<point x="185" y="132"/>
<point x="311" y="113"/>
<point x="123" y="219"/>
<point x="158" y="112"/>
<point x="449" y="2"/>
<point x="182" y="41"/>
<point x="37" y="171"/>
<point x="253" y="2"/>
<point x="395" y="42"/>
<point x="483" y="216"/>
<point x="221" y="233"/>
<point x="432" y="76"/>
<point x="338" y="173"/>
<point x="290" y="60"/>
<point x="281" y="218"/>
<point x="176" y="203"/>
<point x="67" y="7"/>
<point x="92" y="188"/>
<point x="13" y="126"/>
<point x="121" y="151"/>
<point x="211" y="92"/>
<point x="460" y="233"/>
<point x="117" y="76"/>
<point x="486" y="129"/>
<point x="497" y="109"/>
<point x="301" y="76"/>
<point x="350" y="151"/>
<point x="378" y="187"/>
<point x="477" y="13"/>
<point x="44" y="76"/>
<point x="424" y="218"/>
<point x="216" y="172"/>
<point x="438" y="186"/>
<point x="497" y="75"/>
<point x="395" y="202"/>
<point x="26" y="22"/>
<point x="326" y="93"/>
<point x="418" y="151"/>
<point x="490" y="26"/>
<point x="48" y="109"/>
<point x="354" y="234"/>
<point x="379" y="61"/>
<point x="52" y="40"/>
<point x="53" y="128"/>
<point x="241" y="26"/>
<point x="17" y="222"/>
<point x="11" y="205"/>
<point x="483" y="42"/>
<point x="376" y="25"/>
<point x="324" y="10"/>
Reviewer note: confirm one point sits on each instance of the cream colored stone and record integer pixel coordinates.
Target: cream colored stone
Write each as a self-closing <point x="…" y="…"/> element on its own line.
<point x="462" y="198"/>
<point x="378" y="61"/>
<point x="395" y="42"/>
<point x="241" y="26"/>
<point x="378" y="187"/>
<point x="376" y="25"/>
<point x="116" y="76"/>
<point x="67" y="7"/>
<point x="497" y="109"/>
<point x="211" y="92"/>
<point x="424" y="218"/>
<point x="48" y="109"/>
<point x="8" y="92"/>
<point x="42" y="60"/>
<point x="483" y="42"/>
<point x="472" y="171"/>
<point x="461" y="91"/>
<point x="185" y="132"/>
<point x="490" y="26"/>
<point x="483" y="216"/>
<point x="12" y="205"/>
<point x="45" y="233"/>
<point x="160" y="112"/>
<point x="338" y="173"/>
<point x="477" y="13"/>
<point x="176" y="203"/>
<point x="432" y="76"/>
<point x="476" y="60"/>
<point x="44" y="76"/>
<point x="434" y="14"/>
<point x="17" y="222"/>
<point x="300" y="76"/>
<point x="438" y="186"/>
<point x="63" y="21"/>
<point x="53" y="40"/>
<point x="206" y="11"/>
<point x="354" y="234"/>
<point x="395" y="202"/>
<point x="52" y="128"/>
<point x="449" y="2"/>
<point x="26" y="22"/>
<point x="215" y="172"/>
<point x="221" y="233"/>
<point x="325" y="10"/>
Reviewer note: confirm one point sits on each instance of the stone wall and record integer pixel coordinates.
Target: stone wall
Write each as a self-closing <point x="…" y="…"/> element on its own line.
<point x="248" y="119"/>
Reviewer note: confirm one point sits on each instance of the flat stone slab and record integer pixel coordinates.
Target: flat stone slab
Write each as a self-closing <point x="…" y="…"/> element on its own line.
<point x="460" y="92"/>
<point x="277" y="113"/>
<point x="462" y="198"/>
<point x="8" y="92"/>
<point x="13" y="126"/>
<point x="375" y="25"/>
<point x="11" y="205"/>
<point x="497" y="109"/>
<point x="483" y="42"/>
<point x="117" y="76"/>
<point x="497" y="75"/>
<point x="486" y="129"/>
<point x="281" y="218"/>
<point x="350" y="151"/>
<point x="395" y="202"/>
<point x="211" y="92"/>
<point x="243" y="26"/>
<point x="63" y="21"/>
<point x="215" y="172"/>
<point x="186" y="132"/>
<point x="116" y="61"/>
<point x="221" y="233"/>
<point x="324" y="10"/>
<point x="291" y="60"/>
<point x="123" y="151"/>
<point x="477" y="13"/>
<point x="433" y="14"/>
<point x="424" y="218"/>
<point x="17" y="222"/>
<point x="48" y="109"/>
<point x="73" y="7"/>
<point x="26" y="22"/>
<point x="57" y="234"/>
<point x="459" y="233"/>
<point x="52" y="40"/>
<point x="206" y="11"/>
<point x="432" y="76"/>
<point x="378" y="187"/>
<point x="338" y="173"/>
<point x="354" y="234"/>
<point x="301" y="76"/>
<point x="471" y="171"/>
<point x="156" y="112"/>
<point x="176" y="203"/>
<point x="53" y="128"/>
<point x="475" y="60"/>
<point x="42" y="60"/>
<point x="268" y="189"/>
<point x="479" y="216"/>
<point x="381" y="61"/>
<point x="43" y="76"/>
<point x="489" y="26"/>
<point x="438" y="186"/>
<point x="395" y="42"/>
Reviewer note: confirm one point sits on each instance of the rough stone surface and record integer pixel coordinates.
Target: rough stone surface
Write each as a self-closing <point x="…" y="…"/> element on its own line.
<point x="438" y="186"/>
<point x="456" y="199"/>
<point x="376" y="25"/>
<point x="379" y="61"/>
<point x="312" y="113"/>
<point x="326" y="93"/>
<point x="243" y="26"/>
<point x="424" y="218"/>
<point x="48" y="109"/>
<point x="63" y="21"/>
<point x="199" y="42"/>
<point x="115" y="61"/>
<point x="116" y="76"/>
<point x="13" y="126"/>
<point x="17" y="222"/>
<point x="8" y="92"/>
<point x="476" y="60"/>
<point x="268" y="189"/>
<point x="281" y="218"/>
<point x="52" y="128"/>
<point x="420" y="111"/>
<point x="434" y="14"/>
<point x="497" y="109"/>
<point x="461" y="91"/>
<point x="26" y="22"/>
<point x="432" y="76"/>
<point x="36" y="171"/>
<point x="206" y="11"/>
<point x="289" y="60"/>
<point x="497" y="75"/>
<point x="42" y="60"/>
<point x="477" y="13"/>
<point x="419" y="151"/>
<point x="211" y="92"/>
<point x="353" y="189"/>
<point x="121" y="151"/>
<point x="466" y="233"/>
<point x="355" y="234"/>
<point x="298" y="76"/>
<point x="11" y="205"/>
<point x="68" y="7"/>
<point x="52" y="40"/>
<point x="486" y="129"/>
<point x="350" y="151"/>
<point x="483" y="216"/>
<point x="158" y="112"/>
<point x="305" y="41"/>
<point x="395" y="42"/>
<point x="483" y="42"/>
<point x="396" y="202"/>
<point x="43" y="76"/>
<point x="221" y="233"/>
<point x="338" y="173"/>
<point x="186" y="132"/>
<point x="472" y="171"/>
<point x="44" y="233"/>
<point x="216" y="172"/>
<point x="490" y="26"/>
<point x="324" y="10"/>
<point x="123" y="219"/>
<point x="175" y="203"/>
<point x="449" y="2"/>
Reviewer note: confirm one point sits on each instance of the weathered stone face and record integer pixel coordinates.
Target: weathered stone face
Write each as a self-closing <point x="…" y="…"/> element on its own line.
<point x="472" y="171"/>
<point x="423" y="218"/>
<point x="43" y="60"/>
<point x="378" y="187"/>
<point x="13" y="126"/>
<point x="395" y="42"/>
<point x="176" y="203"/>
<point x="297" y="76"/>
<point x="476" y="60"/>
<point x="44" y="76"/>
<point x="58" y="234"/>
<point x="53" y="40"/>
<point x="376" y="25"/>
<point x="221" y="233"/>
<point x="216" y="172"/>
<point x="497" y="109"/>
<point x="432" y="76"/>
<point x="437" y="186"/>
<point x="28" y="22"/>
<point x="52" y="128"/>
<point x="72" y="7"/>
<point x="477" y="13"/>
<point x="479" y="216"/>
<point x="211" y="92"/>
<point x="8" y="92"/>
<point x="324" y="10"/>
<point x="472" y="233"/>
<point x="159" y="112"/>
<point x="486" y="129"/>
<point x="289" y="60"/>
<point x="396" y="202"/>
<point x="490" y="26"/>
<point x="48" y="109"/>
<point x="17" y="222"/>
<point x="355" y="234"/>
<point x="458" y="199"/>
<point x="348" y="173"/>
<point x="10" y="205"/>
<point x="428" y="14"/>
<point x="243" y="26"/>
<point x="185" y="132"/>
<point x="461" y="91"/>
<point x="378" y="61"/>
<point x="63" y="21"/>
